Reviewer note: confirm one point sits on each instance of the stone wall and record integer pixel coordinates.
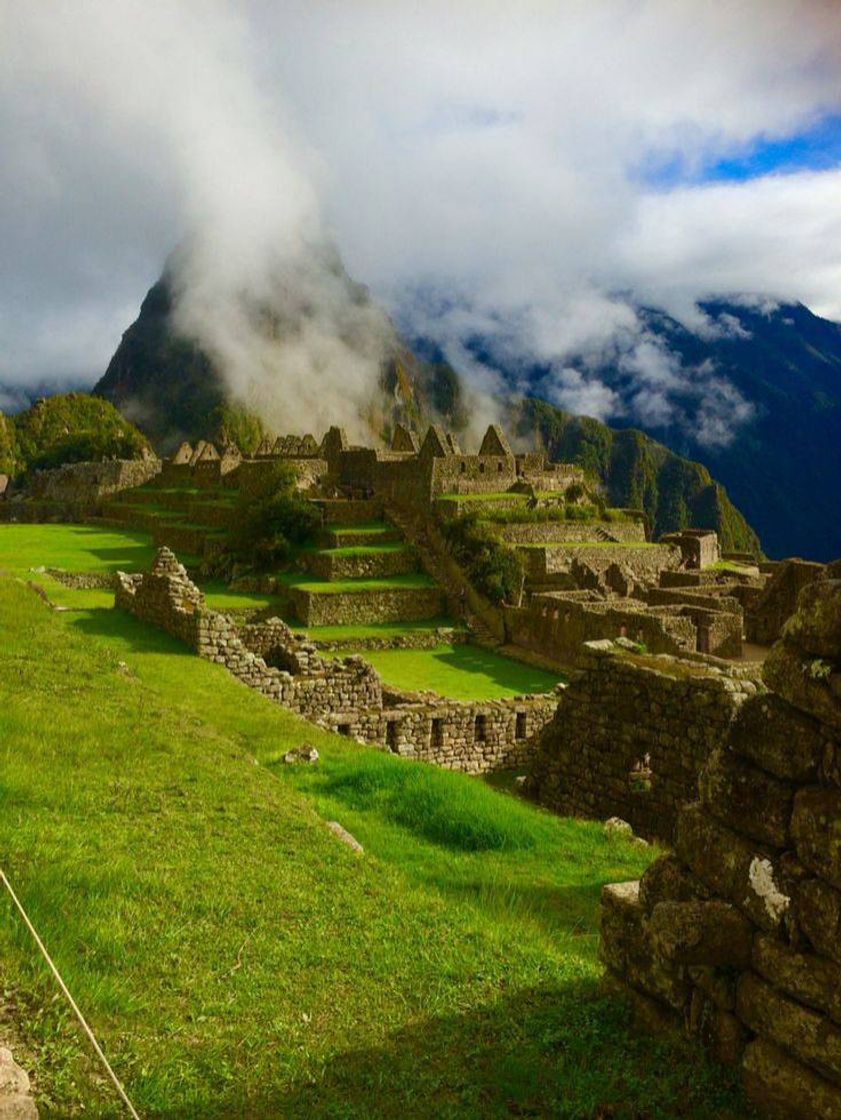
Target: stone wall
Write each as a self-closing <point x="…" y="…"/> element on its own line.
<point x="544" y="562"/>
<point x="737" y="935"/>
<point x="362" y="565"/>
<point x="338" y="608"/>
<point x="90" y="482"/>
<point x="765" y="618"/>
<point x="631" y="734"/>
<point x="557" y="627"/>
<point x="344" y="695"/>
<point x="554" y="532"/>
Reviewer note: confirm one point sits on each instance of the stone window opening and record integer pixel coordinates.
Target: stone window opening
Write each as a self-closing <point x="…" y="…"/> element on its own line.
<point x="436" y="733"/>
<point x="520" y="726"/>
<point x="480" y="729"/>
<point x="499" y="468"/>
<point x="481" y="468"/>
<point x="639" y="779"/>
<point x="344" y="729"/>
<point x="391" y="735"/>
<point x="463" y="467"/>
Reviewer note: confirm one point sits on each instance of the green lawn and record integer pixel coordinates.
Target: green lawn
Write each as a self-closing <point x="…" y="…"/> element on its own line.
<point x="76" y="548"/>
<point x="375" y="629"/>
<point x="342" y="586"/>
<point x="372" y="528"/>
<point x="462" y="672"/>
<point x="235" y="959"/>
<point x="367" y="549"/>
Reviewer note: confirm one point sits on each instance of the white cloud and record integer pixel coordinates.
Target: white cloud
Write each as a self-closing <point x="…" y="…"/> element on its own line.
<point x="485" y="152"/>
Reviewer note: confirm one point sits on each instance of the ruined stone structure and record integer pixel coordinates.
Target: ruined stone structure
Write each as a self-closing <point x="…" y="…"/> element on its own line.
<point x="346" y="695"/>
<point x="631" y="734"/>
<point x="737" y="935"/>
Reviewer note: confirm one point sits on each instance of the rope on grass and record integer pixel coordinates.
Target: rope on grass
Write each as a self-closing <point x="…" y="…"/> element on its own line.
<point x="114" y="1079"/>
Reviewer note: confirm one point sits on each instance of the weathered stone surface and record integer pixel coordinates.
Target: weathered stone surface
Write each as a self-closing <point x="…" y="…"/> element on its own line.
<point x="701" y="933"/>
<point x="815" y="626"/>
<point x="742" y="872"/>
<point x="818" y="912"/>
<point x="345" y="836"/>
<point x="305" y="753"/>
<point x="784" y="1089"/>
<point x="668" y="880"/>
<point x="808" y="683"/>
<point x="808" y="1035"/>
<point x="718" y="984"/>
<point x="746" y="798"/>
<point x="778" y="738"/>
<point x="809" y="978"/>
<point x="816" y="830"/>
<point x="15" y="1100"/>
<point x="624" y="948"/>
<point x="720" y="1031"/>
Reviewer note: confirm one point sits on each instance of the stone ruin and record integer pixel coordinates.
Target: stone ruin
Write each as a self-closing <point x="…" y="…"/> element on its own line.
<point x="736" y="935"/>
<point x="346" y="696"/>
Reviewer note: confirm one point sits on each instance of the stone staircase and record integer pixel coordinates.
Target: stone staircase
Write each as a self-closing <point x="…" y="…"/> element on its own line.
<point x="602" y="534"/>
<point x="429" y="546"/>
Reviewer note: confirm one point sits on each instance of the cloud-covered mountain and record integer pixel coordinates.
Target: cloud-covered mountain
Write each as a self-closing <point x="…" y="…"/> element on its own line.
<point x="753" y="391"/>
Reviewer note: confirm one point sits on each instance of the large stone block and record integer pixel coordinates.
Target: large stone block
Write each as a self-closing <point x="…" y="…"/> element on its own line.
<point x="701" y="933"/>
<point x="808" y="1035"/>
<point x="778" y="738"/>
<point x="782" y="1088"/>
<point x="747" y="798"/>
<point x="667" y="880"/>
<point x="815" y="626"/>
<point x="742" y="872"/>
<point x="818" y="912"/>
<point x="808" y="683"/>
<point x="625" y="949"/>
<point x="810" y="979"/>
<point x="816" y="830"/>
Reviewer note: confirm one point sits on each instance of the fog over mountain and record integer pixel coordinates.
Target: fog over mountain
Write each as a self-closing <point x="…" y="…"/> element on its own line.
<point x="533" y="175"/>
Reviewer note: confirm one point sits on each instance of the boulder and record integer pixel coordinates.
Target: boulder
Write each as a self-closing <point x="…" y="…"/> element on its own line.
<point x="15" y="1101"/>
<point x="305" y="753"/>
<point x="818" y="913"/>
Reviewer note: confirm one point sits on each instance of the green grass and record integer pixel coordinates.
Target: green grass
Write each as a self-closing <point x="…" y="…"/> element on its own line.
<point x="220" y="598"/>
<point x="490" y="496"/>
<point x="345" y="586"/>
<point x="461" y="672"/>
<point x="373" y="528"/>
<point x="375" y="629"/>
<point x="76" y="548"/>
<point x="234" y="959"/>
<point x="367" y="550"/>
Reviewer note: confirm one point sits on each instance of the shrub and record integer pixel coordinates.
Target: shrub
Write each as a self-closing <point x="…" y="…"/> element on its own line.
<point x="492" y="566"/>
<point x="270" y="527"/>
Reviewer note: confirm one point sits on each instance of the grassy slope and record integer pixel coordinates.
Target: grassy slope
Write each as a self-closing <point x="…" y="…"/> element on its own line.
<point x="236" y="960"/>
<point x="463" y="672"/>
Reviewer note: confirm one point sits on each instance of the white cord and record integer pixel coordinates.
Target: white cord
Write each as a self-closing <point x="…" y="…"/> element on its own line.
<point x="70" y="1000"/>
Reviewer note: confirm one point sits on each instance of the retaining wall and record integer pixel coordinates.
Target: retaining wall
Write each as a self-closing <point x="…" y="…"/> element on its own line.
<point x="736" y="937"/>
<point x="631" y="734"/>
<point x="341" y="695"/>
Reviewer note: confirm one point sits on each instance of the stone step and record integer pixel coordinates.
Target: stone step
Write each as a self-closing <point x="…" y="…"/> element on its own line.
<point x="364" y="563"/>
<point x="366" y="606"/>
<point x="350" y="511"/>
<point x="348" y="537"/>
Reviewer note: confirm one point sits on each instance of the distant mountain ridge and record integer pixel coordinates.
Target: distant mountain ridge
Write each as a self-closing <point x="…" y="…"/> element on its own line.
<point x="783" y="465"/>
<point x="169" y="388"/>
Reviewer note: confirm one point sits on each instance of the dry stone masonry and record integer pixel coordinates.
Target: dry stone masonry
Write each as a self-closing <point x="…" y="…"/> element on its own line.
<point x="737" y="934"/>
<point x="345" y="695"/>
<point x="631" y="734"/>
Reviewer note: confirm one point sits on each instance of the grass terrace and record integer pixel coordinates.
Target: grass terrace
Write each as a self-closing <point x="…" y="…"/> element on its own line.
<point x="235" y="959"/>
<point x="305" y="582"/>
<point x="460" y="672"/>
<point x="75" y="548"/>
<point x="376" y="629"/>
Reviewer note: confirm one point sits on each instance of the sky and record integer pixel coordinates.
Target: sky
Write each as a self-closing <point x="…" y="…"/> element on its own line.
<point x="530" y="172"/>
